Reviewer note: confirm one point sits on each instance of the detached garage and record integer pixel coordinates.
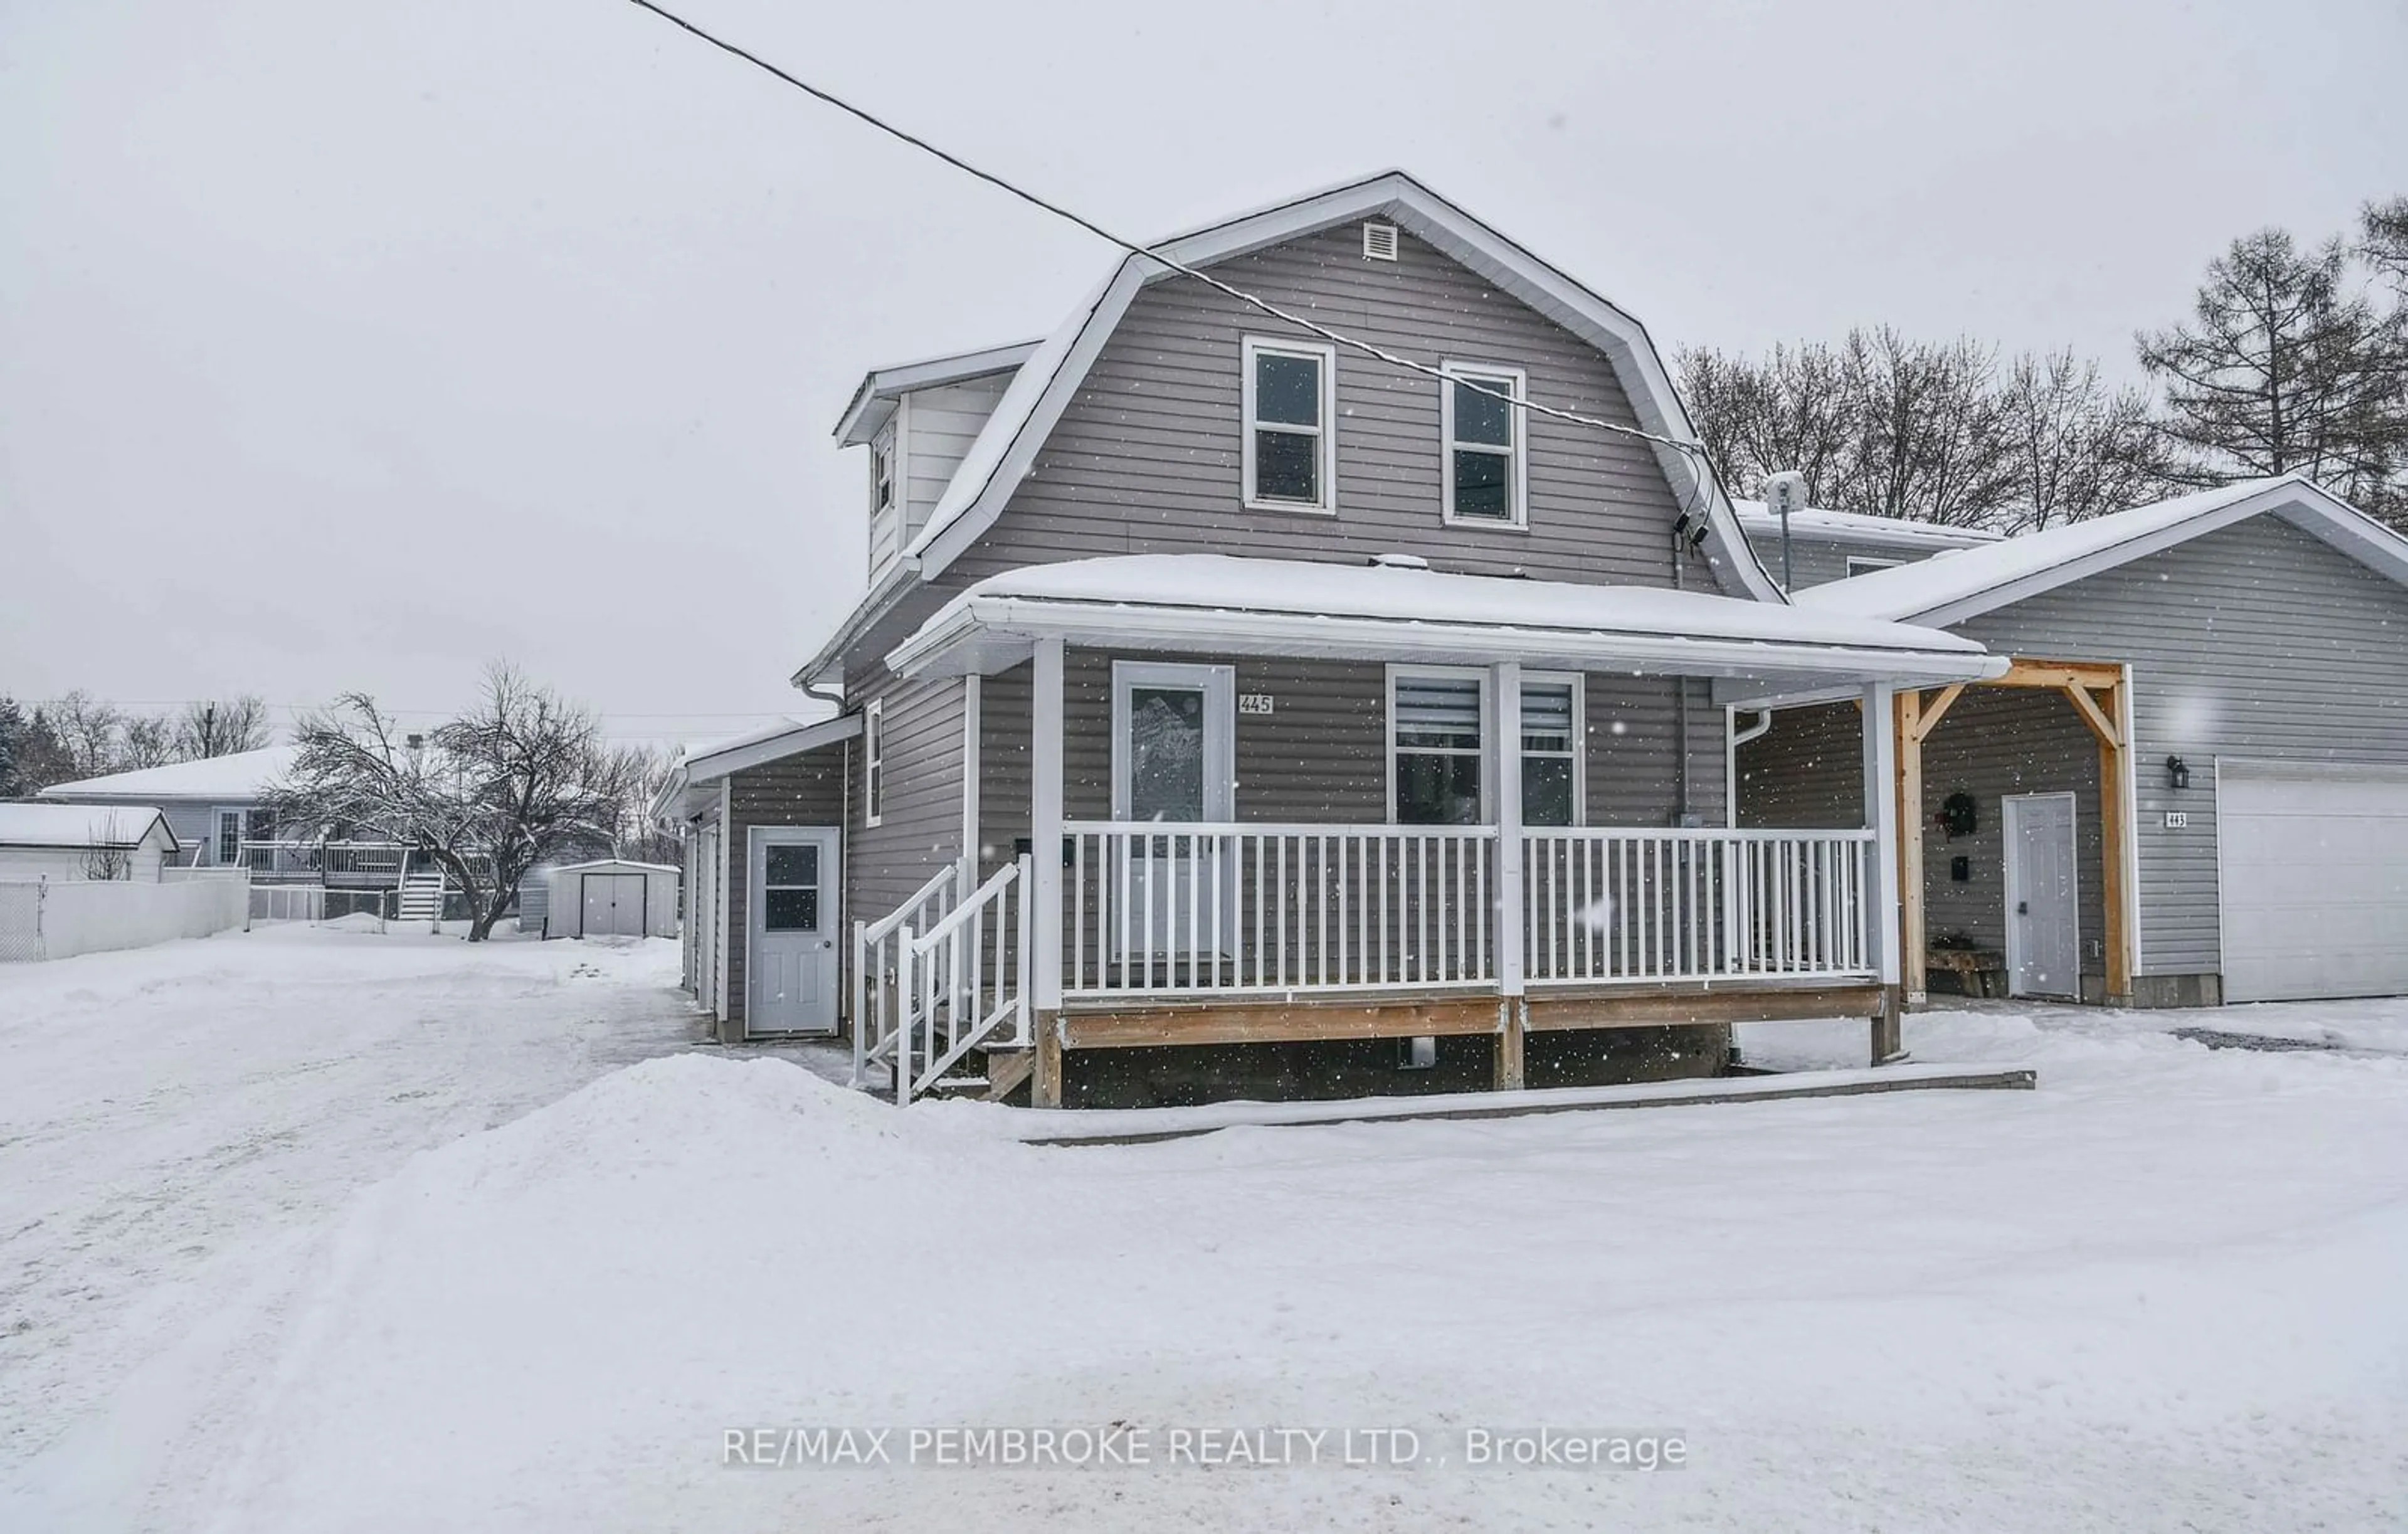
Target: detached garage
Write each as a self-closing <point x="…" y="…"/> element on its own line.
<point x="2312" y="867"/>
<point x="612" y="898"/>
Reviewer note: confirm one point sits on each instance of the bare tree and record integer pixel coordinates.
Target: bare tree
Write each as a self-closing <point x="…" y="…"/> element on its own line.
<point x="2075" y="448"/>
<point x="88" y="730"/>
<point x="2382" y="242"/>
<point x="1794" y="411"/>
<point x="222" y="727"/>
<point x="2281" y="369"/>
<point x="146" y="740"/>
<point x="107" y="856"/>
<point x="488" y="796"/>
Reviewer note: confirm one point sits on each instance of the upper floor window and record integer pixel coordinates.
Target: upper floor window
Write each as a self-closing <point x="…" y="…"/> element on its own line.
<point x="1859" y="563"/>
<point x="882" y="475"/>
<point x="1481" y="426"/>
<point x="1291" y="449"/>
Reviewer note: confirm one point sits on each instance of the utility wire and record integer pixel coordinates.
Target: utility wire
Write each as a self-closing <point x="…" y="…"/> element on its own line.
<point x="1695" y="450"/>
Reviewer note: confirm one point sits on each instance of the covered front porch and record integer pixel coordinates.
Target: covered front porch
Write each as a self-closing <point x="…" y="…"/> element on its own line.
<point x="1513" y="834"/>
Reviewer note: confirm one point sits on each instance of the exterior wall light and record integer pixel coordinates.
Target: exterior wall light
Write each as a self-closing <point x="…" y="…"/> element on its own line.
<point x="2177" y="773"/>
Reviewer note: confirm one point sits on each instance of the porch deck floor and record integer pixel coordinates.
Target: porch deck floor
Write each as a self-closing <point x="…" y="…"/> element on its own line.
<point x="1138" y="1125"/>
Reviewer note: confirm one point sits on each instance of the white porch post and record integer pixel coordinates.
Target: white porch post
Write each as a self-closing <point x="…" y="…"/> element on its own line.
<point x="1881" y="912"/>
<point x="1045" y="860"/>
<point x="1505" y="682"/>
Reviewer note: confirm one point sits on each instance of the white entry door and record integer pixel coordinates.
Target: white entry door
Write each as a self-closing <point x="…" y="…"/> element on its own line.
<point x="613" y="905"/>
<point x="2313" y="863"/>
<point x="1174" y="763"/>
<point x="791" y="921"/>
<point x="2043" y="920"/>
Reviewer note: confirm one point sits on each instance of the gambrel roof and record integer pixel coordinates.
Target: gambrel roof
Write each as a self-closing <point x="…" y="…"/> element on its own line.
<point x="1961" y="583"/>
<point x="1006" y="448"/>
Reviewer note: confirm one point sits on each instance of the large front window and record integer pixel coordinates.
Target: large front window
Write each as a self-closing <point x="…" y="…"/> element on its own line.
<point x="1290" y="451"/>
<point x="1483" y="429"/>
<point x="1435" y="727"/>
<point x="1438" y="731"/>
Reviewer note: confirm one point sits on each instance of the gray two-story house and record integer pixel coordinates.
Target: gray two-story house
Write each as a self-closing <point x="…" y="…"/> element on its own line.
<point x="1296" y="675"/>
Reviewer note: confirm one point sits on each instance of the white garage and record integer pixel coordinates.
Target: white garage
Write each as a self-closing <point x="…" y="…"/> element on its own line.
<point x="2313" y="865"/>
<point x="612" y="897"/>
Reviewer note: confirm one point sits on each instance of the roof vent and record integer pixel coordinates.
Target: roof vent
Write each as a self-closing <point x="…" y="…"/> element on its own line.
<point x="1379" y="242"/>
<point x="1400" y="562"/>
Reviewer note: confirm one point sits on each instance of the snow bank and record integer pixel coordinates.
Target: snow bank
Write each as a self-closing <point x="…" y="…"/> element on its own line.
<point x="1925" y="1311"/>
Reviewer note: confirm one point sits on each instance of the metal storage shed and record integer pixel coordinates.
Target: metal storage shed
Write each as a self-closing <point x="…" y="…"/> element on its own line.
<point x="612" y="897"/>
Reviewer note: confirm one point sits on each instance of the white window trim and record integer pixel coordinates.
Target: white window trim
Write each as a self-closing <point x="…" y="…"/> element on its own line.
<point x="1580" y="738"/>
<point x="873" y="763"/>
<point x="1858" y="564"/>
<point x="1328" y="356"/>
<point x="1487" y="731"/>
<point x="1518" y="483"/>
<point x="1219" y="684"/>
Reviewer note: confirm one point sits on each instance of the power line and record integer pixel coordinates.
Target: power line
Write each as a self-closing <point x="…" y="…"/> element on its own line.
<point x="1153" y="253"/>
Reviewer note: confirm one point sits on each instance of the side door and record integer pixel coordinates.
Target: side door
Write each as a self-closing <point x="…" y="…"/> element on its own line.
<point x="2044" y="920"/>
<point x="792" y="890"/>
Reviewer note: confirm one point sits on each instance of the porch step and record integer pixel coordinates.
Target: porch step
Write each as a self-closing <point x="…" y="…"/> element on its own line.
<point x="422" y="897"/>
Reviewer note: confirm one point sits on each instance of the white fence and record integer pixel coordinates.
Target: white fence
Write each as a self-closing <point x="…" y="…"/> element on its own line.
<point x="56" y="919"/>
<point x="315" y="903"/>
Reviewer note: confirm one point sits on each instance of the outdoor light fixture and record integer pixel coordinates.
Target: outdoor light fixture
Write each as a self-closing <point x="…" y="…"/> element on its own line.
<point x="2177" y="774"/>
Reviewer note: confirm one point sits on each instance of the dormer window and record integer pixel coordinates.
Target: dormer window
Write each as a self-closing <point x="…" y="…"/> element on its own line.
<point x="1481" y="428"/>
<point x="1291" y="452"/>
<point x="882" y="476"/>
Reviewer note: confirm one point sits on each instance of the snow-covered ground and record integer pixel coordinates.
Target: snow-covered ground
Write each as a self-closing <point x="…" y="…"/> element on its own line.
<point x="2162" y="1291"/>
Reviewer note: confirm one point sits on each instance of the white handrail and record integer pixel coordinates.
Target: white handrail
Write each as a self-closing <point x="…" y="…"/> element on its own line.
<point x="967" y="976"/>
<point x="880" y="1001"/>
<point x="1604" y="905"/>
<point x="1278" y="909"/>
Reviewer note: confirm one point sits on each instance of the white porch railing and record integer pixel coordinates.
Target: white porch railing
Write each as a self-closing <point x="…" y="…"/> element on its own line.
<point x="1603" y="905"/>
<point x="367" y="861"/>
<point x="925" y="997"/>
<point x="1260" y="909"/>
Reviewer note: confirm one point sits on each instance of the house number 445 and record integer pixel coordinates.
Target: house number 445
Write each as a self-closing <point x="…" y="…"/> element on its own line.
<point x="1253" y="703"/>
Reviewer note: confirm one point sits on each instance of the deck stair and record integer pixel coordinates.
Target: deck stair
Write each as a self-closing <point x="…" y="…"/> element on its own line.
<point x="424" y="889"/>
<point x="941" y="982"/>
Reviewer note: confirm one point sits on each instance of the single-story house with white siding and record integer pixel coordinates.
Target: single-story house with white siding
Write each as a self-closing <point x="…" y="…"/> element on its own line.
<point x="80" y="842"/>
<point x="2191" y="787"/>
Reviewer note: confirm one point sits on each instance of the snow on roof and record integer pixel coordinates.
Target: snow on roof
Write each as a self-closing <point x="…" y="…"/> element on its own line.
<point x="1820" y="521"/>
<point x="863" y="415"/>
<point x="240" y="778"/>
<point x="1308" y="607"/>
<point x="1961" y="582"/>
<point x="79" y="825"/>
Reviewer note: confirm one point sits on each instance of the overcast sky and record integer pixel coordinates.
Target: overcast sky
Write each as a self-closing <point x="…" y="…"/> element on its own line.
<point x="348" y="345"/>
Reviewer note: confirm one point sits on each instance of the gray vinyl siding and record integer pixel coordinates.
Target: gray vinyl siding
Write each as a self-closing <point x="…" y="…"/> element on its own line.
<point x="1807" y="774"/>
<point x="1819" y="561"/>
<point x="920" y="831"/>
<point x="2255" y="641"/>
<point x="1147" y="458"/>
<point x="807" y="789"/>
<point x="1321" y="754"/>
<point x="938" y="426"/>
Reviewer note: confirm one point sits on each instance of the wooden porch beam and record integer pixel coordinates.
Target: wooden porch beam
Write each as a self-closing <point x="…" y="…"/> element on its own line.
<point x="1932" y="713"/>
<point x="2028" y="671"/>
<point x="1914" y="954"/>
<point x="2115" y="834"/>
<point x="2100" y="725"/>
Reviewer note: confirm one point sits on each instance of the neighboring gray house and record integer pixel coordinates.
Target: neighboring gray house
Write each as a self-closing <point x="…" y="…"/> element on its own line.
<point x="2192" y="784"/>
<point x="1230" y="711"/>
<point x="1827" y="546"/>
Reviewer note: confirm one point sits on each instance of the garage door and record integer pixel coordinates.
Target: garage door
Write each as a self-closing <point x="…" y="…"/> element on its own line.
<point x="2314" y="877"/>
<point x="614" y="905"/>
